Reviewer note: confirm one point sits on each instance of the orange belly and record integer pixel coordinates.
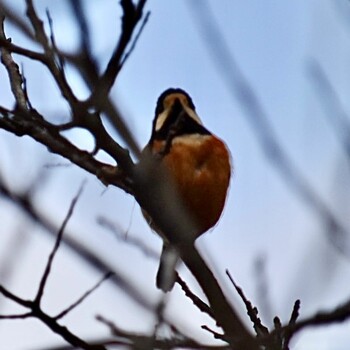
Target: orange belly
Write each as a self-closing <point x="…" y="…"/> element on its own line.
<point x="200" y="167"/>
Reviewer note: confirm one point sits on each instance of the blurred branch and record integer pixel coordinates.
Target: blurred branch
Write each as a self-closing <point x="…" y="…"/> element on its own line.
<point x="16" y="20"/>
<point x="132" y="241"/>
<point x="337" y="117"/>
<point x="262" y="288"/>
<point x="201" y="305"/>
<point x="240" y="89"/>
<point x="163" y="344"/>
<point x="85" y="58"/>
<point x="95" y="262"/>
<point x="140" y="341"/>
<point x="16" y="317"/>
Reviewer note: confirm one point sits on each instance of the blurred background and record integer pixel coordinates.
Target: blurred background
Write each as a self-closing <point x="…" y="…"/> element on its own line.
<point x="271" y="78"/>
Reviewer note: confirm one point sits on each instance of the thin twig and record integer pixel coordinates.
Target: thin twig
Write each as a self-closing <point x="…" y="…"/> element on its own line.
<point x="50" y="53"/>
<point x="295" y="313"/>
<point x="83" y="297"/>
<point x="137" y="36"/>
<point x="53" y="42"/>
<point x="15" y="298"/>
<point x="201" y="305"/>
<point x="16" y="317"/>
<point x="251" y="311"/>
<point x="56" y="246"/>
<point x="215" y="334"/>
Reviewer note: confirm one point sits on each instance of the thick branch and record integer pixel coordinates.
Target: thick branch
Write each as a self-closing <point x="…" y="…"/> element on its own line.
<point x="48" y="135"/>
<point x="12" y="68"/>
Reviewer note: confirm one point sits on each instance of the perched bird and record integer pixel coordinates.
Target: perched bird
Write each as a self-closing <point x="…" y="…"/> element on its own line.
<point x="199" y="166"/>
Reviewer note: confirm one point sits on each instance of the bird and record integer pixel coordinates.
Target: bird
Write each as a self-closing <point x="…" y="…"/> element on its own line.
<point x="199" y="166"/>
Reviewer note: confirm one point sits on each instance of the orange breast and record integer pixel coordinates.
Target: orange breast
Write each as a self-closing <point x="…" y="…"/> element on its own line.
<point x="200" y="166"/>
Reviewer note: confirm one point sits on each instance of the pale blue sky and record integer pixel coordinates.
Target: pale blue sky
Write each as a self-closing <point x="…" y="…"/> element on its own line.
<point x="272" y="42"/>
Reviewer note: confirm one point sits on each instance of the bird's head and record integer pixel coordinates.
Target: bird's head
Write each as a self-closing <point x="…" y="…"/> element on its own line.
<point x="176" y="114"/>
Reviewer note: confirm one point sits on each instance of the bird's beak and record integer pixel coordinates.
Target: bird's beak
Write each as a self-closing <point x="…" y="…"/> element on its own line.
<point x="177" y="112"/>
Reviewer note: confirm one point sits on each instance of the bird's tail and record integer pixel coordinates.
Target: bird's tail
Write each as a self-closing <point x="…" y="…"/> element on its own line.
<point x="166" y="274"/>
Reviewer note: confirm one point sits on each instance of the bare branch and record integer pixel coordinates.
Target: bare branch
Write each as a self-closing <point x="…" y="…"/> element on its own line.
<point x="12" y="68"/>
<point x="131" y="16"/>
<point x="37" y="56"/>
<point x="48" y="135"/>
<point x="225" y="315"/>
